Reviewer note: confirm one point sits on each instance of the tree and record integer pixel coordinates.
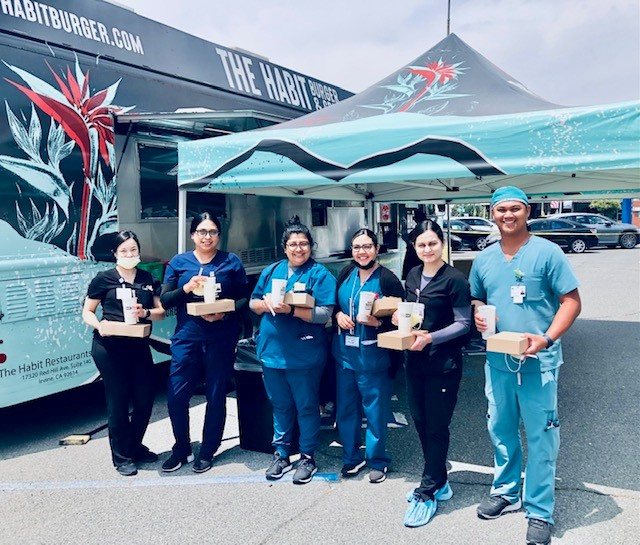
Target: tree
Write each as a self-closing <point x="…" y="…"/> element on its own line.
<point x="606" y="207"/>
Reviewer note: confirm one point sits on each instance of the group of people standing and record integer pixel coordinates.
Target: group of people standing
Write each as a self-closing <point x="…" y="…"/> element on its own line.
<point x="293" y="344"/>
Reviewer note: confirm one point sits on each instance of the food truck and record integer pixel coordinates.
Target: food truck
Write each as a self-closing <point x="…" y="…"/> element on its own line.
<point x="95" y="100"/>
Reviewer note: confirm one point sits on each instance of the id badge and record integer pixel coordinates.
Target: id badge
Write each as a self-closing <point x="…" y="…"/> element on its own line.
<point x="352" y="341"/>
<point x="518" y="293"/>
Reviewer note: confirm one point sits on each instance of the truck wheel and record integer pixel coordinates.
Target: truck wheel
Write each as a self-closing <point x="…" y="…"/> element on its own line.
<point x="628" y="240"/>
<point x="578" y="245"/>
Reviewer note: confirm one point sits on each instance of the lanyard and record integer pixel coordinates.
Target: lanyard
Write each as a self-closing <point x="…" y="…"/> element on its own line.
<point x="352" y="299"/>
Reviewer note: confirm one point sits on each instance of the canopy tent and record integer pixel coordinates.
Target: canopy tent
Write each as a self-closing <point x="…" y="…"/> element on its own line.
<point x="448" y="127"/>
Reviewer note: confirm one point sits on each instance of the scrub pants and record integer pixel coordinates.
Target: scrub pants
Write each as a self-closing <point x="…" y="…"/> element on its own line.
<point x="535" y="400"/>
<point x="368" y="392"/>
<point x="126" y="367"/>
<point x="432" y="399"/>
<point x="191" y="363"/>
<point x="291" y="392"/>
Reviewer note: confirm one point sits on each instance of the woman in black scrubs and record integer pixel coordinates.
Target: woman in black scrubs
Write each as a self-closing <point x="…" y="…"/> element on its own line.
<point x="125" y="363"/>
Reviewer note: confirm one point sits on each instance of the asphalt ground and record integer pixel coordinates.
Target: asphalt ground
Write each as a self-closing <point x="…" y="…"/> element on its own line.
<point x="51" y="494"/>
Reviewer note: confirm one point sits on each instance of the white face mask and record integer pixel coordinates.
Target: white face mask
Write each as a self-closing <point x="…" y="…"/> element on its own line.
<point x="128" y="262"/>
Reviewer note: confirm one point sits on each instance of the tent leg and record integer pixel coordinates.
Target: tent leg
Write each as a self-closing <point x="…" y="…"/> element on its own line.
<point x="182" y="220"/>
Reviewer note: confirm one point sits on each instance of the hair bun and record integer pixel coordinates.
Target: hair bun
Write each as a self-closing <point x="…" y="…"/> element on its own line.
<point x="295" y="220"/>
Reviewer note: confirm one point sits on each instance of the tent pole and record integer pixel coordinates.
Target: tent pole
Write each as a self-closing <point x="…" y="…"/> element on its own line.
<point x="182" y="219"/>
<point x="449" y="250"/>
<point x="448" y="17"/>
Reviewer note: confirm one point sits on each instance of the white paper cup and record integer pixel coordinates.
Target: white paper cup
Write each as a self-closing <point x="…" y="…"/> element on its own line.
<point x="129" y="310"/>
<point x="210" y="290"/>
<point x="278" y="288"/>
<point x="366" y="302"/>
<point x="417" y="314"/>
<point x="488" y="312"/>
<point x="405" y="311"/>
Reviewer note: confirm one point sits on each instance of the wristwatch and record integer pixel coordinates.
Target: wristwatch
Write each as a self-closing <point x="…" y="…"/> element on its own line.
<point x="147" y="313"/>
<point x="292" y="311"/>
<point x="549" y="340"/>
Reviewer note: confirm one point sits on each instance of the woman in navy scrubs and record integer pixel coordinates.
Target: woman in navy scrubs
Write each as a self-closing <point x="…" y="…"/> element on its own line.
<point x="125" y="363"/>
<point x="363" y="377"/>
<point x="202" y="347"/>
<point x="434" y="364"/>
<point x="292" y="345"/>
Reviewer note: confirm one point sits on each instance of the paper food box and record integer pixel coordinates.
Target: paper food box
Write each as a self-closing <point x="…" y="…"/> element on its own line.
<point x="385" y="306"/>
<point x="394" y="340"/>
<point x="120" y="329"/>
<point x="507" y="342"/>
<point x="303" y="300"/>
<point x="221" y="305"/>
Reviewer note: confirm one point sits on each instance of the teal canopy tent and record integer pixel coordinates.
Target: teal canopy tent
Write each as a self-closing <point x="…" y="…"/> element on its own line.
<point x="448" y="127"/>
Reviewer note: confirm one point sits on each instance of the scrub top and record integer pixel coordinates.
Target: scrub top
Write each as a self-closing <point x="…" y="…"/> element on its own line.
<point x="285" y="342"/>
<point x="365" y="355"/>
<point x="229" y="272"/>
<point x="544" y="271"/>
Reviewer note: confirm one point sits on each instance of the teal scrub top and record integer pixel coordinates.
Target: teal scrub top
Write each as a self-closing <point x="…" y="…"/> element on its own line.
<point x="367" y="356"/>
<point x="285" y="342"/>
<point x="544" y="270"/>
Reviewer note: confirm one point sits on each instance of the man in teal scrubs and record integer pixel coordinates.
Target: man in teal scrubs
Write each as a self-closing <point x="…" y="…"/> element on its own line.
<point x="535" y="292"/>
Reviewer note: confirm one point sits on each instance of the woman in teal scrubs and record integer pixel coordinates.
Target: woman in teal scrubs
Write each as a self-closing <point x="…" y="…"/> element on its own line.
<point x="292" y="345"/>
<point x="363" y="377"/>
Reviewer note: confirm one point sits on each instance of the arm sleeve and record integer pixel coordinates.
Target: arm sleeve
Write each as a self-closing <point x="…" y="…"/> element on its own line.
<point x="321" y="314"/>
<point x="460" y="326"/>
<point x="171" y="295"/>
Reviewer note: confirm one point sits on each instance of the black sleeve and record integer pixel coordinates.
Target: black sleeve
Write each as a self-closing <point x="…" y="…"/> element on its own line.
<point x="390" y="285"/>
<point x="171" y="296"/>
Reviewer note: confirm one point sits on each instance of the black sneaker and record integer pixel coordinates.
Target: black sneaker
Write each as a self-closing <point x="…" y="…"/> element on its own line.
<point x="305" y="470"/>
<point x="351" y="470"/>
<point x="145" y="456"/>
<point x="278" y="467"/>
<point x="377" y="475"/>
<point x="201" y="465"/>
<point x="494" y="506"/>
<point x="539" y="532"/>
<point x="127" y="469"/>
<point x="175" y="462"/>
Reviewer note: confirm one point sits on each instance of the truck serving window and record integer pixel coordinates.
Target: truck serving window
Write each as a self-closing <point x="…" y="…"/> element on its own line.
<point x="159" y="186"/>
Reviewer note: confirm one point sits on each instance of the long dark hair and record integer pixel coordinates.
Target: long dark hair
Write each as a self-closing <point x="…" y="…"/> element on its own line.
<point x="367" y="232"/>
<point x="423" y="227"/>
<point x="199" y="218"/>
<point x="121" y="237"/>
<point x="294" y="227"/>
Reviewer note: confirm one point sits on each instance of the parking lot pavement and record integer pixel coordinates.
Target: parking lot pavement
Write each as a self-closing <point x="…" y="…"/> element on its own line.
<point x="67" y="495"/>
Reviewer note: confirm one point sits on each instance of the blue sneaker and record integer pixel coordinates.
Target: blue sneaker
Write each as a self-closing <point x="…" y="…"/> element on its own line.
<point x="442" y="494"/>
<point x="419" y="512"/>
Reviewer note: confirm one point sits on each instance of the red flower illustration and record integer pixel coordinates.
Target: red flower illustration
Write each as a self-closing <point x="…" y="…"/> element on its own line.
<point x="86" y="119"/>
<point x="434" y="73"/>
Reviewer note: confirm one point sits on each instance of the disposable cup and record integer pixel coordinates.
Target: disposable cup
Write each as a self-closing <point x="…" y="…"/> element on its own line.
<point x="488" y="312"/>
<point x="366" y="302"/>
<point x="199" y="291"/>
<point x="417" y="314"/>
<point x="278" y="288"/>
<point x="129" y="310"/>
<point x="405" y="311"/>
<point x="210" y="290"/>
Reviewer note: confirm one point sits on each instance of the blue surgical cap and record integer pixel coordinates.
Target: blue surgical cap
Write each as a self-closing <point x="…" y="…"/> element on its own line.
<point x="508" y="193"/>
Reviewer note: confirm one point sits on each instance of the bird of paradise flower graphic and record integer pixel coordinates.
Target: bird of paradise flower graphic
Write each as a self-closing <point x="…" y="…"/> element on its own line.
<point x="87" y="119"/>
<point x="437" y="72"/>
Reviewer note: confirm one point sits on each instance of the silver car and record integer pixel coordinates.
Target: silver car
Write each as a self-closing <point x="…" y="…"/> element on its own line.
<point x="610" y="233"/>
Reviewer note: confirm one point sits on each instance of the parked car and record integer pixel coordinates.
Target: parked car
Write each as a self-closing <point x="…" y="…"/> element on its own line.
<point x="473" y="236"/>
<point x="568" y="234"/>
<point x="610" y="233"/>
<point x="476" y="221"/>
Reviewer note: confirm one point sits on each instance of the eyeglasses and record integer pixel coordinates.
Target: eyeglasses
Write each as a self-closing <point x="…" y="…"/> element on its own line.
<point x="365" y="247"/>
<point x="296" y="245"/>
<point x="204" y="232"/>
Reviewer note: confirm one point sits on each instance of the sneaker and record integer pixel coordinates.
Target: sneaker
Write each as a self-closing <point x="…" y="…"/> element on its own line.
<point x="279" y="466"/>
<point x="442" y="494"/>
<point x="494" y="506"/>
<point x="377" y="475"/>
<point x="145" y="456"/>
<point x="419" y="512"/>
<point x="201" y="465"/>
<point x="538" y="532"/>
<point x="127" y="469"/>
<point x="351" y="470"/>
<point x="305" y="470"/>
<point x="175" y="462"/>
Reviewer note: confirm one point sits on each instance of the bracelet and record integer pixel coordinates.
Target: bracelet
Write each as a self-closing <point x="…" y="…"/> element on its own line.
<point x="549" y="340"/>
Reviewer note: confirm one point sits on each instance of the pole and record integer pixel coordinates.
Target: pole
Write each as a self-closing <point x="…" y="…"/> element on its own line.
<point x="448" y="17"/>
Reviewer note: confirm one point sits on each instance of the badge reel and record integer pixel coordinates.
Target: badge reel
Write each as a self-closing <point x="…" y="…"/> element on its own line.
<point x="518" y="293"/>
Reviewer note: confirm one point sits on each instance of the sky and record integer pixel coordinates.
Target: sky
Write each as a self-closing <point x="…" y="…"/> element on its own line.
<point x="570" y="52"/>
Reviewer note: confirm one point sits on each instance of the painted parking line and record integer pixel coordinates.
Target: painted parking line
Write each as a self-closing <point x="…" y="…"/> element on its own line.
<point x="152" y="482"/>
